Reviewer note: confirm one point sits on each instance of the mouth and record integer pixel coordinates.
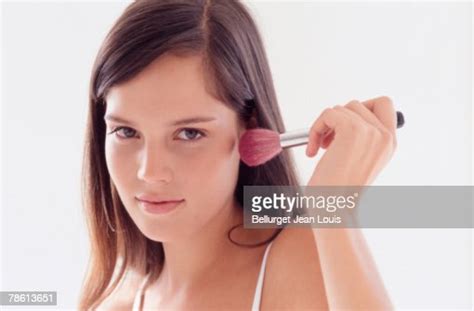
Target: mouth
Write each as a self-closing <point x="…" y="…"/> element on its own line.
<point x="159" y="206"/>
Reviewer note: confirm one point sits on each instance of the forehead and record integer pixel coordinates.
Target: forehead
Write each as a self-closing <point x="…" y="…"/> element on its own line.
<point x="169" y="86"/>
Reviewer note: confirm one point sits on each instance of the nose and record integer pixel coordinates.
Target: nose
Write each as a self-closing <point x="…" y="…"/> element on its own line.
<point x="154" y="165"/>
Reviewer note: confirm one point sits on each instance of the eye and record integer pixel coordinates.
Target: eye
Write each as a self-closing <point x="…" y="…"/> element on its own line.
<point x="190" y="134"/>
<point x="126" y="131"/>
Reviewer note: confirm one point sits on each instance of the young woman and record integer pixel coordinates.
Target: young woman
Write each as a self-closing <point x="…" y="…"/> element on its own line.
<point x="174" y="86"/>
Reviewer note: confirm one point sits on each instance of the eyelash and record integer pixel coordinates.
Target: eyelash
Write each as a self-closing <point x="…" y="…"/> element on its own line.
<point x="199" y="132"/>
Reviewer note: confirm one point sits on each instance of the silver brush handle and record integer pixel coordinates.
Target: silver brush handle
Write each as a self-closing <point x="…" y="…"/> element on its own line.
<point x="301" y="137"/>
<point x="294" y="138"/>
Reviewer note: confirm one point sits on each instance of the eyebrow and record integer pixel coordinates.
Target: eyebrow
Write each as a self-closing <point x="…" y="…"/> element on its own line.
<point x="198" y="119"/>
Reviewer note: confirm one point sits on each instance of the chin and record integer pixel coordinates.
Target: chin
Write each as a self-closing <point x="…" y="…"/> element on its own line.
<point x="159" y="234"/>
<point x="163" y="230"/>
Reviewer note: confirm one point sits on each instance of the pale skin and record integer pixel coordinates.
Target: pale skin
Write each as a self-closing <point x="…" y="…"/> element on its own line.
<point x="360" y="139"/>
<point x="198" y="161"/>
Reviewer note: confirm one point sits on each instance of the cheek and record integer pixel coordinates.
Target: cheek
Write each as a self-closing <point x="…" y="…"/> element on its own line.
<point x="213" y="158"/>
<point x="119" y="165"/>
<point x="213" y="167"/>
<point x="212" y="164"/>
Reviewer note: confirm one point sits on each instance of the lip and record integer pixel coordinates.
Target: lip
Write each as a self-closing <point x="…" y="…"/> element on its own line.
<point x="156" y="198"/>
<point x="155" y="205"/>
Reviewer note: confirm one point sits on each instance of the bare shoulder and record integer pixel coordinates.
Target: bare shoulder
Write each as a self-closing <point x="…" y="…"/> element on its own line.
<point x="293" y="278"/>
<point x="122" y="297"/>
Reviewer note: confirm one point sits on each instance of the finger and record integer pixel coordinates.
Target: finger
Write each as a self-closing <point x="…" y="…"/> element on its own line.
<point x="330" y="119"/>
<point x="327" y="139"/>
<point x="382" y="107"/>
<point x="364" y="113"/>
<point x="328" y="136"/>
<point x="382" y="129"/>
<point x="355" y="117"/>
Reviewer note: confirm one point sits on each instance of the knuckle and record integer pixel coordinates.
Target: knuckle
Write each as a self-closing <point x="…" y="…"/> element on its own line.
<point x="386" y="100"/>
<point x="352" y="104"/>
<point x="326" y="111"/>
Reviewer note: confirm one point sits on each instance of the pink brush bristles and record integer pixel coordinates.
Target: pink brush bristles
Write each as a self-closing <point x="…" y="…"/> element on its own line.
<point x="258" y="146"/>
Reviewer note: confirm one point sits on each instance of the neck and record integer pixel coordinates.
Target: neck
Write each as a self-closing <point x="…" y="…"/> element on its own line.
<point x="190" y="261"/>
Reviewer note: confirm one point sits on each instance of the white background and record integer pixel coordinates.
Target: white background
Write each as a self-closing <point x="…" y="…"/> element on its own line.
<point x="321" y="54"/>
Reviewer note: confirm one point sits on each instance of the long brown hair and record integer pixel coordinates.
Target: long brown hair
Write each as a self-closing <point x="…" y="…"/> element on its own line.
<point x="224" y="33"/>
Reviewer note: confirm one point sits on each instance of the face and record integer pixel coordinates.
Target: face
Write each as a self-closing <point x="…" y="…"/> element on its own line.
<point x="169" y="139"/>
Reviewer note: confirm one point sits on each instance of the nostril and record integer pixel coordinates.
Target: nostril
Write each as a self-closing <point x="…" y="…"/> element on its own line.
<point x="153" y="164"/>
<point x="155" y="174"/>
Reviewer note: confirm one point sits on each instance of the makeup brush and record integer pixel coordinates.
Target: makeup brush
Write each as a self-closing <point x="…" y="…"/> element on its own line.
<point x="260" y="145"/>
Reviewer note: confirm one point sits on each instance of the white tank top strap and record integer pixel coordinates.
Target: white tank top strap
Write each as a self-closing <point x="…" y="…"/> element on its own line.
<point x="258" y="290"/>
<point x="256" y="299"/>
<point x="138" y="297"/>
